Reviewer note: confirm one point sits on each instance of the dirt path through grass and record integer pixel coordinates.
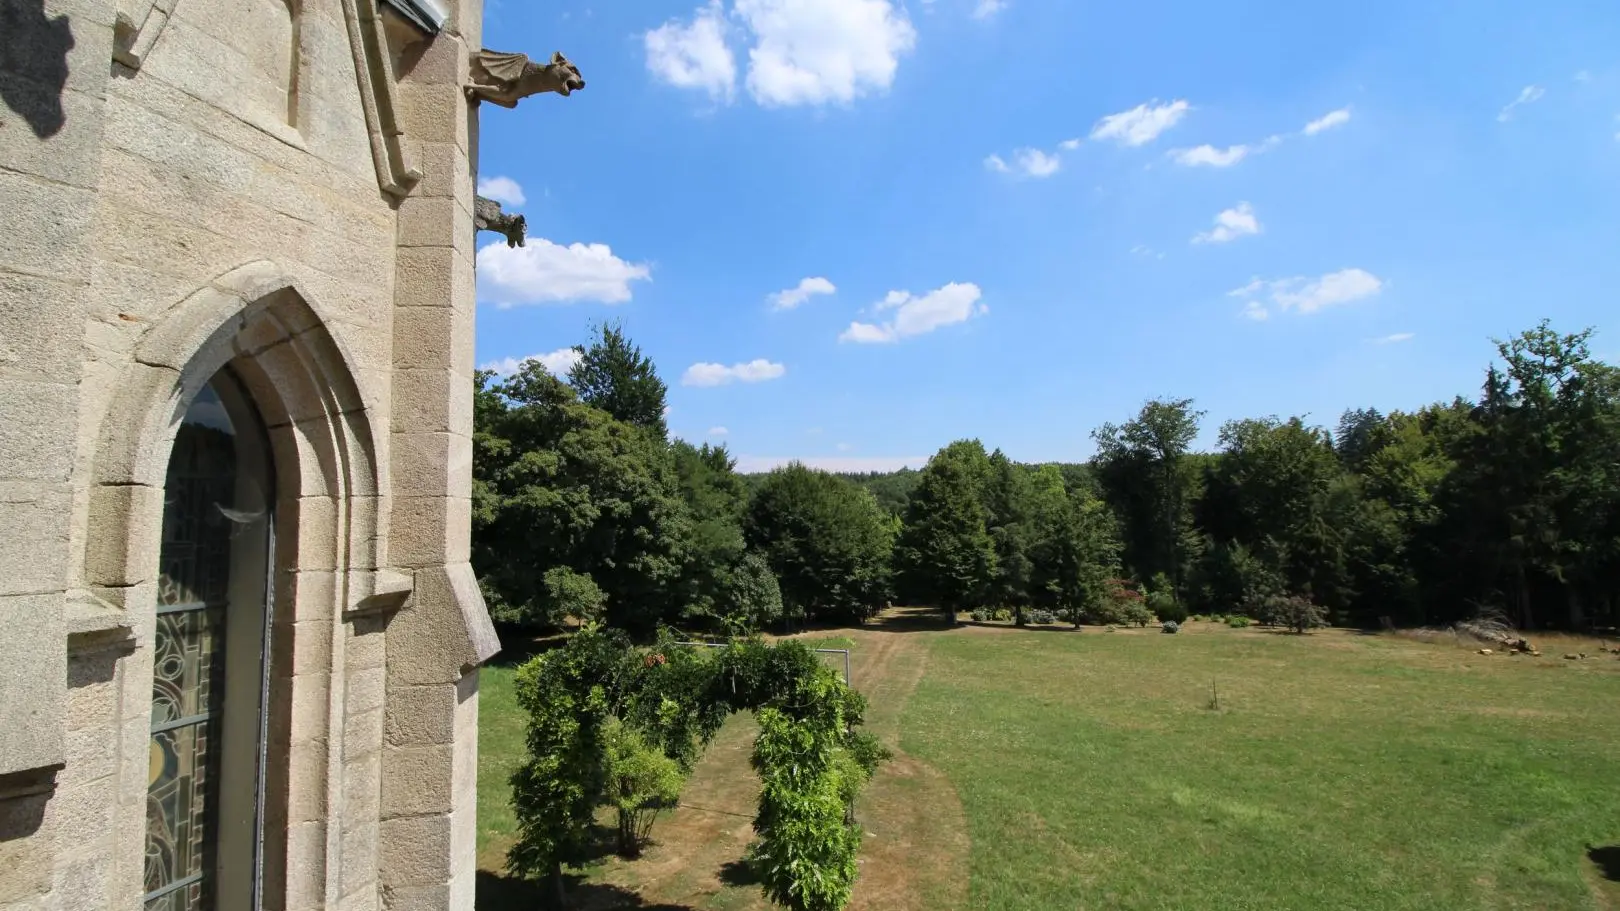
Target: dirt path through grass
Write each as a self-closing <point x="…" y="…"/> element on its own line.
<point x="915" y="854"/>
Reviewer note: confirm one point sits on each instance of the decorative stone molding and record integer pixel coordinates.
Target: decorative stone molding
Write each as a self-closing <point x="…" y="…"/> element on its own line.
<point x="396" y="176"/>
<point x="136" y="31"/>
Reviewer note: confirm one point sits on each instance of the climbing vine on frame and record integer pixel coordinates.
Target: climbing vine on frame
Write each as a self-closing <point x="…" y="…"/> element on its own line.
<point x="587" y="700"/>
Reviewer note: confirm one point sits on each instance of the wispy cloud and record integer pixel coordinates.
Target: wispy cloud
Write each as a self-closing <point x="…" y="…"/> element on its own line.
<point x="718" y="431"/>
<point x="1328" y="121"/>
<point x="1026" y="163"/>
<point x="1231" y="224"/>
<point x="803" y="291"/>
<point x="1394" y="339"/>
<point x="944" y="306"/>
<point x="758" y="370"/>
<point x="1306" y="295"/>
<point x="1530" y="94"/>
<point x="1142" y="124"/>
<point x="1209" y="156"/>
<point x="557" y="363"/>
<point x="503" y="190"/>
<point x="987" y="8"/>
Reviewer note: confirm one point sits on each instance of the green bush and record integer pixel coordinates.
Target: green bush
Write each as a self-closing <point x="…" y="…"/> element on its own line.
<point x="1170" y="626"/>
<point x="1002" y="615"/>
<point x="980" y="615"/>
<point x="1239" y="622"/>
<point x="1292" y="612"/>
<point x="641" y="781"/>
<point x="1040" y="615"/>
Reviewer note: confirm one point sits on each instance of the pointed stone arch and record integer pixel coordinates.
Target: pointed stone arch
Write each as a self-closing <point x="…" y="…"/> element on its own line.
<point x="331" y="589"/>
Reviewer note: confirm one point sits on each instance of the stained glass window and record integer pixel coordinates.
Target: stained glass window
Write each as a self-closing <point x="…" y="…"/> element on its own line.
<point x="187" y="679"/>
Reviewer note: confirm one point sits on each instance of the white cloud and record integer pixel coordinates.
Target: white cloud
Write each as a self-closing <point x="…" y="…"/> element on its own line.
<point x="1069" y="145"/>
<point x="987" y="8"/>
<point x="1026" y="163"/>
<point x="1530" y="94"/>
<point x="755" y="371"/>
<point x="844" y="447"/>
<point x="953" y="303"/>
<point x="1394" y="339"/>
<point x="718" y="431"/>
<point x="543" y="272"/>
<point x="819" y="51"/>
<point x="1145" y="251"/>
<point x="694" y="56"/>
<point x="1583" y="76"/>
<point x="557" y="363"/>
<point x="1035" y="163"/>
<point x="503" y="190"/>
<point x="747" y="464"/>
<point x="1306" y="295"/>
<point x="1142" y="124"/>
<point x="1230" y="225"/>
<point x="1210" y="156"/>
<point x="1328" y="121"/>
<point x="793" y="297"/>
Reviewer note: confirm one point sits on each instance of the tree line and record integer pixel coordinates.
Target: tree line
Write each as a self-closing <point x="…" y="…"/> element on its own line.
<point x="1508" y="503"/>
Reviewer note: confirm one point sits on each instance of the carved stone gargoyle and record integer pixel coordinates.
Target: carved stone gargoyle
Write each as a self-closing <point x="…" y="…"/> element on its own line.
<point x="487" y="216"/>
<point x="506" y="79"/>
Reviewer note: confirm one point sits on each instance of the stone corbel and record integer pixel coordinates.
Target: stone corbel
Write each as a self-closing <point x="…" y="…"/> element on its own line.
<point x="390" y="590"/>
<point x="94" y="624"/>
<point x="135" y="31"/>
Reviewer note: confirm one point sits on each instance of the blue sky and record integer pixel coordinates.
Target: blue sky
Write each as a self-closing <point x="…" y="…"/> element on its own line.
<point x="1018" y="220"/>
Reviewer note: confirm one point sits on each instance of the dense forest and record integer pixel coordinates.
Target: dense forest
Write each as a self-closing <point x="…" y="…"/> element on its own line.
<point x="1506" y="505"/>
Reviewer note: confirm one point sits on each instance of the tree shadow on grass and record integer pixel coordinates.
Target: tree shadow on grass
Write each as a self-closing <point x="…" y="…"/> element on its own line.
<point x="1607" y="861"/>
<point x="739" y="873"/>
<point x="1028" y="627"/>
<point x="500" y="892"/>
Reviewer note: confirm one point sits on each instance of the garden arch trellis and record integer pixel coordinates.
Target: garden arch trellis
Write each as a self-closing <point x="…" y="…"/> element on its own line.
<point x="811" y="757"/>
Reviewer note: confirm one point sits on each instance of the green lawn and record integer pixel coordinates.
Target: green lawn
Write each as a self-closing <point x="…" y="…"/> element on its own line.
<point x="1340" y="771"/>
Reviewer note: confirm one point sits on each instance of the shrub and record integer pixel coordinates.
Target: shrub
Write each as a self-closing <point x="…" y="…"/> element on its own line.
<point x="1170" y="626"/>
<point x="1041" y="615"/>
<point x="1165" y="606"/>
<point x="1239" y="622"/>
<point x="1161" y="599"/>
<point x="641" y="781"/>
<point x="980" y="615"/>
<point x="1293" y="612"/>
<point x="1002" y="615"/>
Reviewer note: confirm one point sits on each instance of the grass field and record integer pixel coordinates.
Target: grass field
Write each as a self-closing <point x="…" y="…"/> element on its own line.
<point x="1041" y="769"/>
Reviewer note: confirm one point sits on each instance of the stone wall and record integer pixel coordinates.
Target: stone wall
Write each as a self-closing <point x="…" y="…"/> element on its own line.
<point x="221" y="204"/>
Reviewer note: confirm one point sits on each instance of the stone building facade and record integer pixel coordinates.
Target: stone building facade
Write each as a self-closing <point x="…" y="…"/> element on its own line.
<point x="239" y="633"/>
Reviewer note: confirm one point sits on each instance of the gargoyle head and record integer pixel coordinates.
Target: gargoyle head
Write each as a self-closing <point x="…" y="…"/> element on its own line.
<point x="517" y="228"/>
<point x="566" y="74"/>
